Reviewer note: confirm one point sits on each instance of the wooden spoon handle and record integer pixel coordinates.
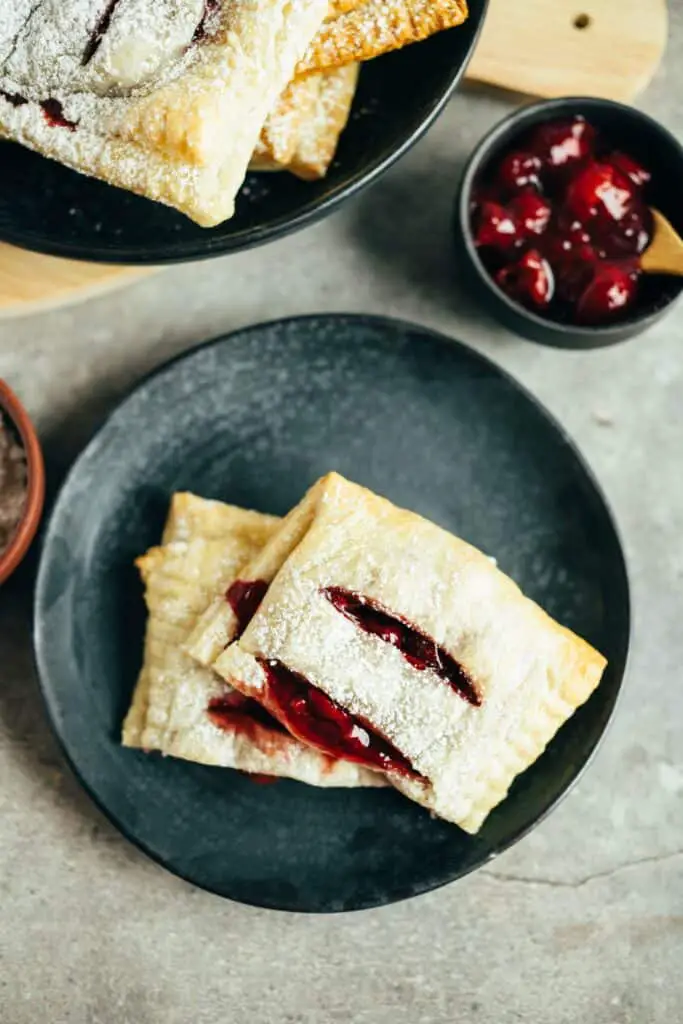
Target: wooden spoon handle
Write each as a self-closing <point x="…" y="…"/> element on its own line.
<point x="664" y="255"/>
<point x="606" y="48"/>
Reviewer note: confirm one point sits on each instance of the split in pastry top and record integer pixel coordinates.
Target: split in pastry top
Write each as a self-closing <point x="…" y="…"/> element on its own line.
<point x="166" y="98"/>
<point x="385" y="639"/>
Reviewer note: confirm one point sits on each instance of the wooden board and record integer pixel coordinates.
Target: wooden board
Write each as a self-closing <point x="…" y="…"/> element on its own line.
<point x="548" y="48"/>
<point x="31" y="283"/>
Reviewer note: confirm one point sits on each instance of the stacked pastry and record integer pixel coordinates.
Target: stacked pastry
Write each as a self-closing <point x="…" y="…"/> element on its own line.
<point x="350" y="644"/>
<point x="174" y="98"/>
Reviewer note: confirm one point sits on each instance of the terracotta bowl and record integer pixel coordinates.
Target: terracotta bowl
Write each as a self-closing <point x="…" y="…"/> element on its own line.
<point x="16" y="414"/>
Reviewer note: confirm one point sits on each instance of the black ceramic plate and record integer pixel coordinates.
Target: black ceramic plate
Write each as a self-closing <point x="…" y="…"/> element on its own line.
<point x="253" y="419"/>
<point x="47" y="207"/>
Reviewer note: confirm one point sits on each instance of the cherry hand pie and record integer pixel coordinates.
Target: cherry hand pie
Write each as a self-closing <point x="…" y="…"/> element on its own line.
<point x="175" y="99"/>
<point x="384" y="640"/>
<point x="187" y="711"/>
<point x="164" y="98"/>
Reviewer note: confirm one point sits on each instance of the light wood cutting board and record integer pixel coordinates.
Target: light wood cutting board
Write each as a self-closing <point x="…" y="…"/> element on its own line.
<point x="546" y="48"/>
<point x="607" y="48"/>
<point x="31" y="283"/>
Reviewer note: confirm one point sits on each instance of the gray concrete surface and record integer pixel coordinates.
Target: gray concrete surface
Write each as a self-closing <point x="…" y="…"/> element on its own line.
<point x="583" y="920"/>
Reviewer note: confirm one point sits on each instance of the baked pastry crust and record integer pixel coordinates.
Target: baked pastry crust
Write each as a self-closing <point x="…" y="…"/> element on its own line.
<point x="339" y="7"/>
<point x="169" y="103"/>
<point x="528" y="673"/>
<point x="203" y="546"/>
<point x="319" y="135"/>
<point x="375" y="27"/>
<point x="279" y="136"/>
<point x="302" y="133"/>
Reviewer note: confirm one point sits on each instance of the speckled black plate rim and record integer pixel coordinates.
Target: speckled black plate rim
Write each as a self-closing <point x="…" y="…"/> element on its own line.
<point x="594" y="492"/>
<point x="212" y="246"/>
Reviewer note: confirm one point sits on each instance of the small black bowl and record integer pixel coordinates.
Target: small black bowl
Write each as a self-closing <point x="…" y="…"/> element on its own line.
<point x="627" y="129"/>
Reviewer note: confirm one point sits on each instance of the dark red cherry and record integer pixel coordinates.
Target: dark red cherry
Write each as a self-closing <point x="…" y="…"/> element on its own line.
<point x="518" y="171"/>
<point x="495" y="228"/>
<point x="627" y="237"/>
<point x="598" y="190"/>
<point x="482" y="194"/>
<point x="565" y="239"/>
<point x="529" y="280"/>
<point x="574" y="274"/>
<point x="557" y="249"/>
<point x="531" y="212"/>
<point x="610" y="291"/>
<point x="560" y="144"/>
<point x="574" y="230"/>
<point x="629" y="167"/>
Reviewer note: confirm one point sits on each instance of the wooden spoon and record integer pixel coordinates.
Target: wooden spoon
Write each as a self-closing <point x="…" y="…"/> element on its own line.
<point x="664" y="254"/>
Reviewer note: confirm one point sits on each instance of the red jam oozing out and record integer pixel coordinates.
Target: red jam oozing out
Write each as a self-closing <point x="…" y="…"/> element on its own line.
<point x="421" y="651"/>
<point x="53" y="112"/>
<point x="244" y="597"/>
<point x="560" y="222"/>
<point x="238" y="713"/>
<point x="316" y="719"/>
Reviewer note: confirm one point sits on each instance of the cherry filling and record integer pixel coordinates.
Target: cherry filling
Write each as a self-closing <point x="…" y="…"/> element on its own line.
<point x="244" y="598"/>
<point x="99" y="32"/>
<point x="261" y="779"/>
<point x="238" y="713"/>
<point x="560" y="220"/>
<point x="316" y="719"/>
<point x="53" y="112"/>
<point x="418" y="649"/>
<point x="14" y="98"/>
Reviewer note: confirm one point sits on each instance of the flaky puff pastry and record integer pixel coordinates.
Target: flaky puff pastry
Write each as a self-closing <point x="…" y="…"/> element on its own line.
<point x="368" y="30"/>
<point x="280" y="134"/>
<point x="166" y="99"/>
<point x="203" y="546"/>
<point x="518" y="675"/>
<point x="302" y="132"/>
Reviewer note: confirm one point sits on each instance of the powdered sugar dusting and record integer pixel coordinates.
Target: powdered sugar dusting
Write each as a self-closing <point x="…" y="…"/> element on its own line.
<point x="56" y="49"/>
<point x="319" y="135"/>
<point x="377" y="26"/>
<point x="282" y="130"/>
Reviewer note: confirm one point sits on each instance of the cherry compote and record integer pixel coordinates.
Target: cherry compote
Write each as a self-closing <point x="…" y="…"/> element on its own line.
<point x="560" y="222"/>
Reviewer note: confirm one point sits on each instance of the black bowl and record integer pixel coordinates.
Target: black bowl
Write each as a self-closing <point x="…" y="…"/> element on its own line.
<point x="48" y="208"/>
<point x="625" y="128"/>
